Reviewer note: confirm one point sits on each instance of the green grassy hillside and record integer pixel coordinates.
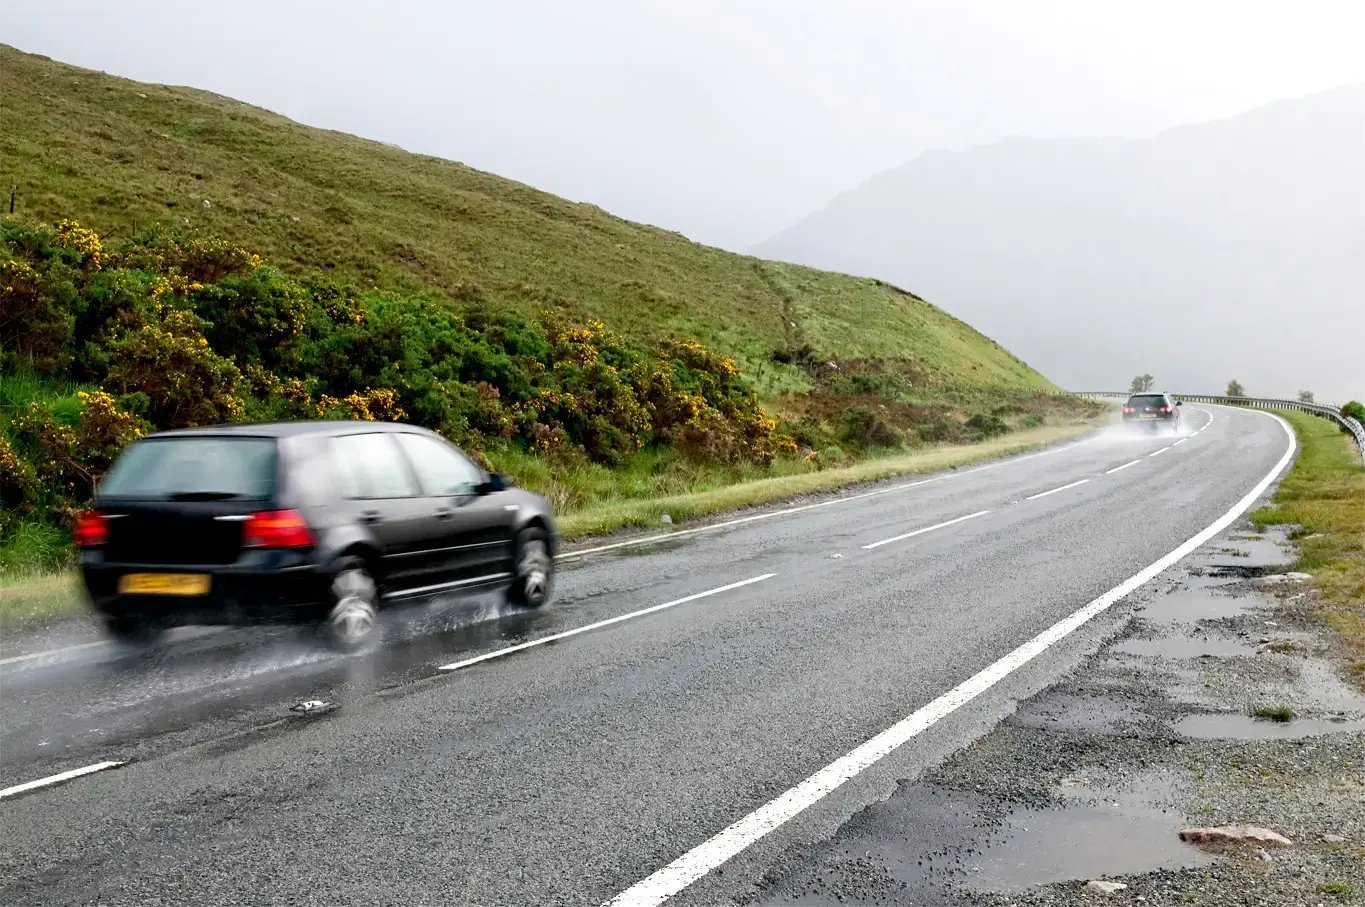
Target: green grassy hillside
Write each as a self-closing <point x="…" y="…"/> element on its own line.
<point x="121" y="156"/>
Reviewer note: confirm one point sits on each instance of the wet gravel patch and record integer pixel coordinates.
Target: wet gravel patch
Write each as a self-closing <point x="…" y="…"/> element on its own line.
<point x="1094" y="777"/>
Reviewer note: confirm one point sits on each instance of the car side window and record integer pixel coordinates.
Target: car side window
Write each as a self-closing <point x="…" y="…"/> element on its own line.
<point x="441" y="471"/>
<point x="371" y="466"/>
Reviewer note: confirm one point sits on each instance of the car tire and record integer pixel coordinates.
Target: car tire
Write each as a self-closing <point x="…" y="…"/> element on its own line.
<point x="135" y="632"/>
<point x="534" y="569"/>
<point x="353" y="618"/>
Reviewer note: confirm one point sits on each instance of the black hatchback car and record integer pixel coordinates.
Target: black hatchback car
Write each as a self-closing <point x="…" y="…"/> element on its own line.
<point x="1155" y="411"/>
<point x="303" y="522"/>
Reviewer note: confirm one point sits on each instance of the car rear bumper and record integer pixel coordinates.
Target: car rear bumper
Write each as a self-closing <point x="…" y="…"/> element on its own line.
<point x="236" y="594"/>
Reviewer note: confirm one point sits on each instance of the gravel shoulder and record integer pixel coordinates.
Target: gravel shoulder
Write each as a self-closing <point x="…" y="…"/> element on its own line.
<point x="1091" y="781"/>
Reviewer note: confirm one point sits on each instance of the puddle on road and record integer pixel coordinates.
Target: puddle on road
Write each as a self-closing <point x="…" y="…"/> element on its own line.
<point x="648" y="549"/>
<point x="1082" y="841"/>
<point x="1196" y="604"/>
<point x="1069" y="711"/>
<point x="200" y="690"/>
<point x="1200" y="645"/>
<point x="1245" y="555"/>
<point x="1230" y="726"/>
<point x="927" y="841"/>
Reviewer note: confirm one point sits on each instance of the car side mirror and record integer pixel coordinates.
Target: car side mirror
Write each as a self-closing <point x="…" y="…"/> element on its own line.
<point x="494" y="483"/>
<point x="1180" y="403"/>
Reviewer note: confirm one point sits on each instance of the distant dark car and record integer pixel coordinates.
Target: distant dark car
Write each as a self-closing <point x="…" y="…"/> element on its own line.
<point x="1154" y="411"/>
<point x="319" y="522"/>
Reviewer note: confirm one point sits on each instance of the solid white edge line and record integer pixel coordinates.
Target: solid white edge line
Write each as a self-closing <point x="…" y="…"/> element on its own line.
<point x="1181" y="441"/>
<point x="1124" y="466"/>
<point x="1043" y="494"/>
<point x="57" y="779"/>
<point x="50" y="653"/>
<point x="697" y="862"/>
<point x="489" y="656"/>
<point x="1157" y="453"/>
<point x="950" y="474"/>
<point x="898" y="538"/>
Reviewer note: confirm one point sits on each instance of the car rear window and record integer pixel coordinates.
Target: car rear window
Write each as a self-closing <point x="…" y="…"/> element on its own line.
<point x="190" y="468"/>
<point x="1147" y="401"/>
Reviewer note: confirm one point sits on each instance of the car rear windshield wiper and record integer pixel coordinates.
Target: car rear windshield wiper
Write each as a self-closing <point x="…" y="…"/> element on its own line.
<point x="203" y="495"/>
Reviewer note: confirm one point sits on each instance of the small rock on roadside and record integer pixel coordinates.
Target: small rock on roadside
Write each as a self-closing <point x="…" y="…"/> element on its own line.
<point x="1234" y="834"/>
<point x="1334" y="839"/>
<point x="1102" y="887"/>
<point x="666" y="519"/>
<point x="1291" y="577"/>
<point x="313" y="707"/>
<point x="1263" y="857"/>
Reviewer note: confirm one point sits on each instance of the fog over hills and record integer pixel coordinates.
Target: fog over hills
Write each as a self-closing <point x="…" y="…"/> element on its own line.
<point x="1233" y="248"/>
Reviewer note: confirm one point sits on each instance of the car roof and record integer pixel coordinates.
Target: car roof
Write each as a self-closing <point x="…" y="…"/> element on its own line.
<point x="289" y="429"/>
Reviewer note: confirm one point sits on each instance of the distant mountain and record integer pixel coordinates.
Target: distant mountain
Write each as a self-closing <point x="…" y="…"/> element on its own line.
<point x="1234" y="248"/>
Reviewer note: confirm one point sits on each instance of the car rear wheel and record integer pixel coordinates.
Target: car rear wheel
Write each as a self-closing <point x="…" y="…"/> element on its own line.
<point x="354" y="617"/>
<point x="138" y="632"/>
<point x="534" y="570"/>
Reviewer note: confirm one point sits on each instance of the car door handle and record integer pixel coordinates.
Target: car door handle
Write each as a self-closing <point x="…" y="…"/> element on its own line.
<point x="443" y="513"/>
<point x="370" y="516"/>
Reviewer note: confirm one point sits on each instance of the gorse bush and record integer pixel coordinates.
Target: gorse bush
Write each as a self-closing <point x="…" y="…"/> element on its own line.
<point x="987" y="426"/>
<point x="861" y="425"/>
<point x="183" y="332"/>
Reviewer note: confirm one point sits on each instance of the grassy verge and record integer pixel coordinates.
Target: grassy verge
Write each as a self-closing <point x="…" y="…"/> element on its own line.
<point x="36" y="598"/>
<point x="28" y="598"/>
<point x="1324" y="496"/>
<point x="608" y="516"/>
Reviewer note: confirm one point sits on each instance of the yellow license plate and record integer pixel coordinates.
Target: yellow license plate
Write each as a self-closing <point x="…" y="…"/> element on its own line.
<point x="164" y="584"/>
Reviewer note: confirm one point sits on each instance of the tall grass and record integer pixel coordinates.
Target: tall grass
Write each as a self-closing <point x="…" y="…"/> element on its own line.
<point x="1324" y="497"/>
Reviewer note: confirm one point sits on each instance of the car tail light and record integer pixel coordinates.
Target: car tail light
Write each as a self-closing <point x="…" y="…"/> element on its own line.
<point x="1129" y="409"/>
<point x="1165" y="409"/>
<point x="277" y="529"/>
<point x="91" y="529"/>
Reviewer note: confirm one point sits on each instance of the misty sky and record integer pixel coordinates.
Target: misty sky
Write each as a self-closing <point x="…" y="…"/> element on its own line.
<point x="726" y="121"/>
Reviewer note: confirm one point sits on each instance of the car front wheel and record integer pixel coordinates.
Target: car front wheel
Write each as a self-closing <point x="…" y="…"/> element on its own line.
<point x="354" y="617"/>
<point x="534" y="570"/>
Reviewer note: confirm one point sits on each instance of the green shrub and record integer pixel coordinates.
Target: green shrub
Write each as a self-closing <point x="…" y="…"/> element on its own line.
<point x="860" y="425"/>
<point x="940" y="431"/>
<point x="1354" y="410"/>
<point x="166" y="357"/>
<point x="38" y="299"/>
<point x="987" y="426"/>
<point x="175" y="331"/>
<point x="881" y="384"/>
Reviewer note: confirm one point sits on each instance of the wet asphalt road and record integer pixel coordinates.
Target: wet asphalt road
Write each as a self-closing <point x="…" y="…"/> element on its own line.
<point x="566" y="773"/>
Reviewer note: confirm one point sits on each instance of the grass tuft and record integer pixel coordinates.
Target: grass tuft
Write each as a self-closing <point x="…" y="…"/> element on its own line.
<point x="1280" y="713"/>
<point x="1342" y="891"/>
